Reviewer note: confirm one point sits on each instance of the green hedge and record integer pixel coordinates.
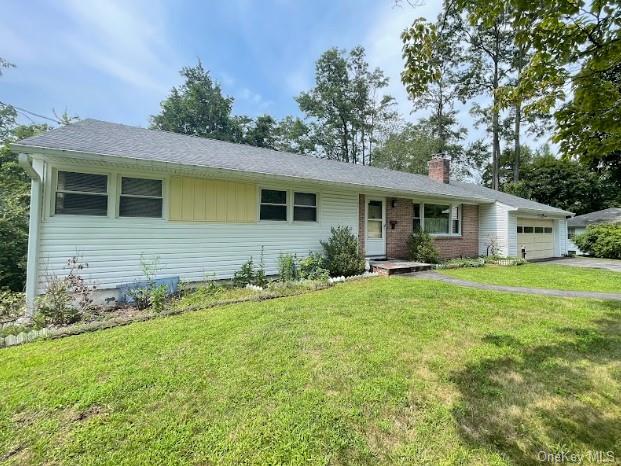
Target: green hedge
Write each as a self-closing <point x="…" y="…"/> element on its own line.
<point x="601" y="241"/>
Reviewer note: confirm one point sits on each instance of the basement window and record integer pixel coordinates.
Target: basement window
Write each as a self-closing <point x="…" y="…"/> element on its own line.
<point x="81" y="194"/>
<point x="140" y="197"/>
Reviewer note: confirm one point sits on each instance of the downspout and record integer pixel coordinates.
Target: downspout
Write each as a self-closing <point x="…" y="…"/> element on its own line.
<point x="33" y="231"/>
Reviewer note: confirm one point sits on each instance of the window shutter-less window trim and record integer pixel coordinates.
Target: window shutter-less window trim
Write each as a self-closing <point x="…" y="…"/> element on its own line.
<point x="273" y="205"/>
<point x="81" y="194"/>
<point x="304" y="207"/>
<point x="141" y="197"/>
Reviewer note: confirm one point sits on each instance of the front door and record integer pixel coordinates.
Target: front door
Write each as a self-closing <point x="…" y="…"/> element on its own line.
<point x="376" y="232"/>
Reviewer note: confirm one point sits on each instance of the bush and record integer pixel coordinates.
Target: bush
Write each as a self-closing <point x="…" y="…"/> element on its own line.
<point x="11" y="304"/>
<point x="601" y="241"/>
<point x="288" y="268"/>
<point x="55" y="306"/>
<point x="157" y="297"/>
<point x="342" y="252"/>
<point x="313" y="267"/>
<point x="461" y="263"/>
<point x="421" y="248"/>
<point x="248" y="274"/>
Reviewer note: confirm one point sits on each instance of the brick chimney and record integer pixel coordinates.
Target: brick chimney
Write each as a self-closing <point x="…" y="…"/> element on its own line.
<point x="439" y="168"/>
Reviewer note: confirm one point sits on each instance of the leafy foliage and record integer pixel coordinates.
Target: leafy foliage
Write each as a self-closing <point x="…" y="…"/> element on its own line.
<point x="55" y="305"/>
<point x="11" y="304"/>
<point x="288" y="268"/>
<point x="250" y="274"/>
<point x="601" y="241"/>
<point x="342" y="253"/>
<point x="565" y="184"/>
<point x="344" y="108"/>
<point x="421" y="248"/>
<point x="313" y="267"/>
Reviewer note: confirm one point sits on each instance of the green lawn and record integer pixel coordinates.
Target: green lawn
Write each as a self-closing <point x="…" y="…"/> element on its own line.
<point x="558" y="277"/>
<point x="376" y="371"/>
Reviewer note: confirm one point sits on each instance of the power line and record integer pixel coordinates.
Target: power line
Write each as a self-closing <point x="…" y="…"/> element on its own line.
<point x="28" y="112"/>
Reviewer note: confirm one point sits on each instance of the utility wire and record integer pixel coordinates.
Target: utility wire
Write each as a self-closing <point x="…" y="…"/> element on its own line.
<point x="28" y="112"/>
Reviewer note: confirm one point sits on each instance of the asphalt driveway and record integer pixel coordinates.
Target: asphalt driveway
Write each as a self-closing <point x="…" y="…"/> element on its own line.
<point x="591" y="262"/>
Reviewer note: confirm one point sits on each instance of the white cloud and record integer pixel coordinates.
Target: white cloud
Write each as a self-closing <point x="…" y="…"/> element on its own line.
<point x="126" y="41"/>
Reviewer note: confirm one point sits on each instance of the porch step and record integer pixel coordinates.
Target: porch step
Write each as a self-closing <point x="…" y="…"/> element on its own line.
<point x="392" y="267"/>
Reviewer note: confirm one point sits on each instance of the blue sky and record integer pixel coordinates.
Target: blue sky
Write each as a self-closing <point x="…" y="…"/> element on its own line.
<point x="116" y="60"/>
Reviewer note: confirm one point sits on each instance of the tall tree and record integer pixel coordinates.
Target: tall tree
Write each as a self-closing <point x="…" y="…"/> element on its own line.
<point x="198" y="107"/>
<point x="345" y="108"/>
<point x="293" y="135"/>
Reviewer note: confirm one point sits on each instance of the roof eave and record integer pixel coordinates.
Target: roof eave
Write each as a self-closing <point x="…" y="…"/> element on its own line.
<point x="80" y="155"/>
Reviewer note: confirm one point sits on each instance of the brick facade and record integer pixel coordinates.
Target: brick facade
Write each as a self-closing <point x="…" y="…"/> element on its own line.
<point x="362" y="207"/>
<point x="466" y="245"/>
<point x="396" y="239"/>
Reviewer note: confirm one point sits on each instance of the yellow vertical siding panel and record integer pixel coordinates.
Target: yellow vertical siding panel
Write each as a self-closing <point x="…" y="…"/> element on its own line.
<point x="202" y="200"/>
<point x="200" y="194"/>
<point x="188" y="199"/>
<point x="176" y="198"/>
<point x="221" y="201"/>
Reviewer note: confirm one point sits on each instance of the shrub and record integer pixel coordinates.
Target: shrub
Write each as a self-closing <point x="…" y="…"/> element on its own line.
<point x="248" y="274"/>
<point x="55" y="306"/>
<point x="11" y="304"/>
<point x="313" y="267"/>
<point x="461" y="263"/>
<point x="157" y="297"/>
<point x="601" y="241"/>
<point x="288" y="268"/>
<point x="421" y="248"/>
<point x="342" y="252"/>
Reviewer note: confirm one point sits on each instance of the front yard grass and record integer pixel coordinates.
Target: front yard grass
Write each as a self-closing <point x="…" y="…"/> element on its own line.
<point x="375" y="371"/>
<point x="558" y="277"/>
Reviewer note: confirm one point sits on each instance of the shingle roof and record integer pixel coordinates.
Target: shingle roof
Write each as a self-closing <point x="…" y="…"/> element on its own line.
<point x="116" y="140"/>
<point x="112" y="139"/>
<point x="611" y="215"/>
<point x="509" y="199"/>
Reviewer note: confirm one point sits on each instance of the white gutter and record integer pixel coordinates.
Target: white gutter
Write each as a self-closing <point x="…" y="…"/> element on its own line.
<point x="33" y="231"/>
<point x="165" y="165"/>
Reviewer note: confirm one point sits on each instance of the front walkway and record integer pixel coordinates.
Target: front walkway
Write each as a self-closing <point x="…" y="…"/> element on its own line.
<point x="431" y="275"/>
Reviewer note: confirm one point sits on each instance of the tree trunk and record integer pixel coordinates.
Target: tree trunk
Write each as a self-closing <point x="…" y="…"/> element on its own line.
<point x="517" y="148"/>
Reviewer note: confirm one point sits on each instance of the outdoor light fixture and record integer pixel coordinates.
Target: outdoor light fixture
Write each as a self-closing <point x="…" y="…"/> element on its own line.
<point x="393" y="223"/>
<point x="394" y="203"/>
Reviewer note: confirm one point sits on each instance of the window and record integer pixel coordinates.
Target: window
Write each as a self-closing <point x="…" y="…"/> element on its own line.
<point x="81" y="194"/>
<point x="273" y="205"/>
<point x="456" y="220"/>
<point x="520" y="229"/>
<point x="571" y="232"/>
<point x="375" y="220"/>
<point x="528" y="229"/>
<point x="416" y="221"/>
<point x="140" y="198"/>
<point x="548" y="230"/>
<point x="538" y="229"/>
<point x="304" y="207"/>
<point x="436" y="218"/>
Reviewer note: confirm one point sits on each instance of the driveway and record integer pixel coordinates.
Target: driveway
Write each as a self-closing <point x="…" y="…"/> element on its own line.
<point x="591" y="262"/>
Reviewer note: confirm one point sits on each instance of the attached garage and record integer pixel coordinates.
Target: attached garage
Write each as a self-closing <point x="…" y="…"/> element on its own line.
<point x="536" y="236"/>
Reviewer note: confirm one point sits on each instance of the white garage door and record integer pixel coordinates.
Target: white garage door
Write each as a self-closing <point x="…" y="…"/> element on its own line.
<point x="536" y="236"/>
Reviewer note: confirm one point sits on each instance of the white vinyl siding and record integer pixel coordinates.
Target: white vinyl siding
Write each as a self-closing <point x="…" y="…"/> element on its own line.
<point x="494" y="226"/>
<point x="112" y="247"/>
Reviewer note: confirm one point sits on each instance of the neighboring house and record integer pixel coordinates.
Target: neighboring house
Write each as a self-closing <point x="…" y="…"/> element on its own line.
<point x="579" y="223"/>
<point x="112" y="194"/>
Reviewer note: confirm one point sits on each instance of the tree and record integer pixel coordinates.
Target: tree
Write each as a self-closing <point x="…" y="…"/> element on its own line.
<point x="262" y="133"/>
<point x="293" y="135"/>
<point x="14" y="203"/>
<point x="198" y="108"/>
<point x="344" y="109"/>
<point x="566" y="184"/>
<point x="575" y="54"/>
<point x="409" y="147"/>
